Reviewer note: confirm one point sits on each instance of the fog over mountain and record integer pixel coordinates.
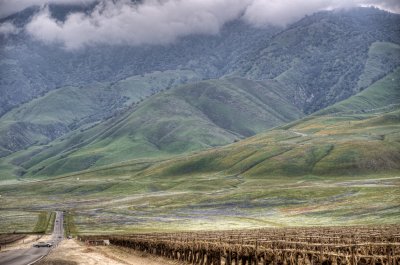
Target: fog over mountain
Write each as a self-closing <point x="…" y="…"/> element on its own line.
<point x="158" y="22"/>
<point x="108" y="59"/>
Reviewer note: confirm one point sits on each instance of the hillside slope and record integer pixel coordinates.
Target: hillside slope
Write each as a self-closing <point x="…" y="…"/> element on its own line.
<point x="337" y="168"/>
<point x="30" y="68"/>
<point x="329" y="56"/>
<point x="68" y="108"/>
<point x="362" y="141"/>
<point x="186" y="118"/>
<point x="383" y="94"/>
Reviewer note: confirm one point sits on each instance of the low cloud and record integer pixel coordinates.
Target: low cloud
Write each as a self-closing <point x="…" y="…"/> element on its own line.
<point x="391" y="5"/>
<point x="122" y="22"/>
<point x="9" y="7"/>
<point x="163" y="21"/>
<point x="8" y="28"/>
<point x="283" y="12"/>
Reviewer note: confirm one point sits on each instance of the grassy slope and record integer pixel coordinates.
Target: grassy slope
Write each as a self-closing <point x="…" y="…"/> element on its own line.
<point x="22" y="221"/>
<point x="324" y="61"/>
<point x="334" y="169"/>
<point x="384" y="93"/>
<point x="335" y="138"/>
<point x="57" y="112"/>
<point x="383" y="57"/>
<point x="329" y="170"/>
<point x="186" y="118"/>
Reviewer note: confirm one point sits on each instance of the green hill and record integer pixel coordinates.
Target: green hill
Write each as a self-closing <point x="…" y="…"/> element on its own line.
<point x="186" y="118"/>
<point x="183" y="119"/>
<point x="337" y="168"/>
<point x="384" y="93"/>
<point x="68" y="108"/>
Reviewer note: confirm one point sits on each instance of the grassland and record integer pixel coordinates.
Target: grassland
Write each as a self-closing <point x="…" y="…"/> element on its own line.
<point x="45" y="222"/>
<point x="20" y="221"/>
<point x="325" y="170"/>
<point x="338" y="167"/>
<point x="69" y="224"/>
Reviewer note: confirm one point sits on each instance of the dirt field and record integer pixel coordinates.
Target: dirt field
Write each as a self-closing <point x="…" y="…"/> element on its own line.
<point x="71" y="252"/>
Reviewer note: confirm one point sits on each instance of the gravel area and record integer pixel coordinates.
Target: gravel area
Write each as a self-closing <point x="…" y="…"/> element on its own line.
<point x="71" y="252"/>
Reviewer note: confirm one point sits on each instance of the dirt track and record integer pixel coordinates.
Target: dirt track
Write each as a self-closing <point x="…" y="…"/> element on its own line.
<point x="71" y="252"/>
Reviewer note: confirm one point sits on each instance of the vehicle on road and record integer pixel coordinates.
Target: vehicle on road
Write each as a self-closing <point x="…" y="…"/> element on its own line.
<point x="42" y="244"/>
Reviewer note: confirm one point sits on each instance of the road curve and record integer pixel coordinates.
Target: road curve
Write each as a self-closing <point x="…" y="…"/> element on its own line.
<point x="32" y="254"/>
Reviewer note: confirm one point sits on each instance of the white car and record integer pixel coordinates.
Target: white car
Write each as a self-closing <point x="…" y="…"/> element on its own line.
<point x="42" y="244"/>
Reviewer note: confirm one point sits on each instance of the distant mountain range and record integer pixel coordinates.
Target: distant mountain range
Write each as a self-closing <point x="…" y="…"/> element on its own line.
<point x="66" y="111"/>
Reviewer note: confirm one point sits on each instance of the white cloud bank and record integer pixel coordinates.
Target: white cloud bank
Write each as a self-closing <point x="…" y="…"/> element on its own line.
<point x="8" y="28"/>
<point x="163" y="21"/>
<point x="121" y="22"/>
<point x="8" y="7"/>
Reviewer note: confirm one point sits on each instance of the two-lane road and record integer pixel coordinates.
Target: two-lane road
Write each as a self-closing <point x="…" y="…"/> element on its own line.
<point x="32" y="254"/>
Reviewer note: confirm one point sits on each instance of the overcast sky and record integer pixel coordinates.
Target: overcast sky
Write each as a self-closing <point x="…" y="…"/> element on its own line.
<point x="163" y="21"/>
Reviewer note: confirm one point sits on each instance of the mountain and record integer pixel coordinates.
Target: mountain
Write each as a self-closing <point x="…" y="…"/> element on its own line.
<point x="327" y="57"/>
<point x="30" y="68"/>
<point x="115" y="90"/>
<point x="321" y="56"/>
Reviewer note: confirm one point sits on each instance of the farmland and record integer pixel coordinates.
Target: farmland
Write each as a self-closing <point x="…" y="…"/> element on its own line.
<point x="333" y="245"/>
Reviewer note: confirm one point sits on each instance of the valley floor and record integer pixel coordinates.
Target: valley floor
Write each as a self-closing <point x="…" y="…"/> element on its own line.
<point x="71" y="252"/>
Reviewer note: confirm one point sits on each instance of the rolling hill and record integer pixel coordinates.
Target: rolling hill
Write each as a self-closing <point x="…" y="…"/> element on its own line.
<point x="354" y="137"/>
<point x="336" y="167"/>
<point x="209" y="131"/>
<point x="320" y="60"/>
<point x="186" y="118"/>
<point x="69" y="108"/>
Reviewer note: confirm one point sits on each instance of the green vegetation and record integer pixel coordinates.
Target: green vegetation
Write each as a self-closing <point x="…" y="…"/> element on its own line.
<point x="69" y="224"/>
<point x="48" y="92"/>
<point x="21" y="221"/>
<point x="323" y="61"/>
<point x="44" y="223"/>
<point x="68" y="108"/>
<point x="211" y="154"/>
<point x="186" y="118"/>
<point x="18" y="221"/>
<point x="383" y="57"/>
<point x="50" y="226"/>
<point x="333" y="169"/>
<point x="384" y="93"/>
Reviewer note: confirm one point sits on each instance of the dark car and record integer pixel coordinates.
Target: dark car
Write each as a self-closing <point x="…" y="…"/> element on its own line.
<point x="42" y="244"/>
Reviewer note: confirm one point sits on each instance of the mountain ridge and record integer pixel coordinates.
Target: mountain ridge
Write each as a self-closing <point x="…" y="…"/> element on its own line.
<point x="305" y="72"/>
<point x="313" y="78"/>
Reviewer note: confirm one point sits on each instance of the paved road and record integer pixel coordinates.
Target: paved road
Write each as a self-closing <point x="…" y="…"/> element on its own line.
<point x="32" y="254"/>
